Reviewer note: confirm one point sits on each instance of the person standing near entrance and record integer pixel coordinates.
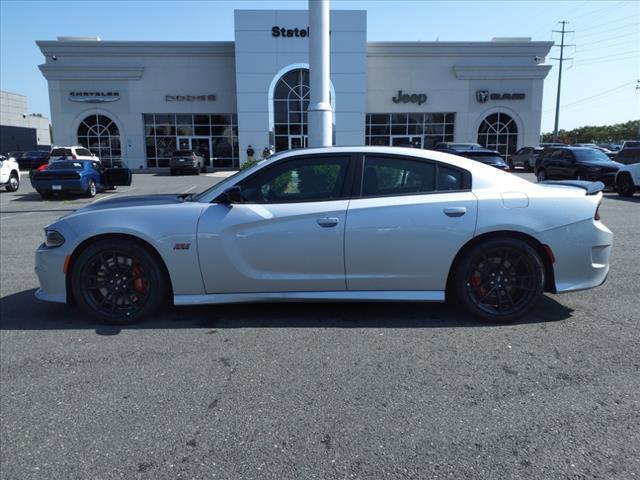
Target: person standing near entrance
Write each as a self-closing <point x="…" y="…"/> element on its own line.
<point x="266" y="153"/>
<point x="250" y="154"/>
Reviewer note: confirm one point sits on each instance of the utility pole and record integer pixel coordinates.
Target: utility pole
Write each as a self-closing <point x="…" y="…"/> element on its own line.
<point x="319" y="110"/>
<point x="562" y="45"/>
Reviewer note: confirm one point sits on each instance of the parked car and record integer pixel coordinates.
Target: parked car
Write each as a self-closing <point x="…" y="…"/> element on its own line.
<point x="422" y="226"/>
<point x="525" y="158"/>
<point x="15" y="155"/>
<point x="186" y="161"/>
<point x="78" y="177"/>
<point x="482" y="155"/>
<point x="552" y="144"/>
<point x="457" y="146"/>
<point x="580" y="163"/>
<point x="630" y="144"/>
<point x="9" y="173"/>
<point x="33" y="159"/>
<point x="71" y="153"/>
<point x="628" y="177"/>
<point x="628" y="155"/>
<point x="606" y="151"/>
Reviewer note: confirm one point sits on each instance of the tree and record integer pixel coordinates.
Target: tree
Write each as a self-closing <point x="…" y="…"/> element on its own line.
<point x="598" y="134"/>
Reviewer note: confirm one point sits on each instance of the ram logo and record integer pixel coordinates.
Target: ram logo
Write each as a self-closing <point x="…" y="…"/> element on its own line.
<point x="482" y="96"/>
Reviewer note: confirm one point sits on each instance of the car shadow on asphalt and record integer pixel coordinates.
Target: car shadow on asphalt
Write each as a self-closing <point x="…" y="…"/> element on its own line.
<point x="21" y="311"/>
<point x="634" y="199"/>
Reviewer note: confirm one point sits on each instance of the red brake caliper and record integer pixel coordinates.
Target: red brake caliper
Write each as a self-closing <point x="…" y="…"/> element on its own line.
<point x="139" y="285"/>
<point x="476" y="283"/>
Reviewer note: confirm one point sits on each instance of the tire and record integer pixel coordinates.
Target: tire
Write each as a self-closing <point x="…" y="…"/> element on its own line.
<point x="172" y="172"/>
<point x="14" y="183"/>
<point x="92" y="190"/>
<point x="499" y="280"/>
<point x="624" y="185"/>
<point x="510" y="164"/>
<point x="541" y="175"/>
<point x="118" y="281"/>
<point x="527" y="166"/>
<point x="45" y="195"/>
<point x="196" y="171"/>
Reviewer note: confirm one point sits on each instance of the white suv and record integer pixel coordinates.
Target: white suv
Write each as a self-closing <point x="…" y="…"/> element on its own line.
<point x="71" y="153"/>
<point x="9" y="173"/>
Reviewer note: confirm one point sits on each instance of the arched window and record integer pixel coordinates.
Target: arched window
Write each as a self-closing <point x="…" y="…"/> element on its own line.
<point x="290" y="103"/>
<point x="100" y="134"/>
<point x="499" y="131"/>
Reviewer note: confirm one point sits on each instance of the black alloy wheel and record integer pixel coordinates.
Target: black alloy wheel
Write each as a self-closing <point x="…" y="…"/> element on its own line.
<point x="118" y="281"/>
<point x="500" y="280"/>
<point x="624" y="185"/>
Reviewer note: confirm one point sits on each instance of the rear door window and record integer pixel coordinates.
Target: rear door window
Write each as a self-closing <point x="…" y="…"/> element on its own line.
<point x="83" y="151"/>
<point x="383" y="176"/>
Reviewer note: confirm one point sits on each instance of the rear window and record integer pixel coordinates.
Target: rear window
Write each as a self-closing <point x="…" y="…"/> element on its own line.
<point x="486" y="158"/>
<point x="183" y="153"/>
<point x="65" y="166"/>
<point x="58" y="152"/>
<point x="590" y="155"/>
<point x="84" y="152"/>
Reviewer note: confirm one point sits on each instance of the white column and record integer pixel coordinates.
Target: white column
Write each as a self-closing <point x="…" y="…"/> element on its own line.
<point x="320" y="115"/>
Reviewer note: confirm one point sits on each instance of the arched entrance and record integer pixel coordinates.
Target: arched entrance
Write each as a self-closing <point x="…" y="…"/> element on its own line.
<point x="498" y="131"/>
<point x="100" y="134"/>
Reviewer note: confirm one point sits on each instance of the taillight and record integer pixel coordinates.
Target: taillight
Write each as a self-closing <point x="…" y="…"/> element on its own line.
<point x="597" y="214"/>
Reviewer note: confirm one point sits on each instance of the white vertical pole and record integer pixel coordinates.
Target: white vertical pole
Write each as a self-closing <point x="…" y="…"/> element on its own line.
<point x="320" y="115"/>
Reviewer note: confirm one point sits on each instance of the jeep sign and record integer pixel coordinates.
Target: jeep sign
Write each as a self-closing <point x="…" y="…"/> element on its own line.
<point x="418" y="98"/>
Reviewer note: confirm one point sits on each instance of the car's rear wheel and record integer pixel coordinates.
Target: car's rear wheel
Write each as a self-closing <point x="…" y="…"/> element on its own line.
<point x="541" y="175"/>
<point x="92" y="190"/>
<point x="118" y="281"/>
<point x="14" y="183"/>
<point x="499" y="280"/>
<point x="624" y="185"/>
<point x="44" y="194"/>
<point x="527" y="166"/>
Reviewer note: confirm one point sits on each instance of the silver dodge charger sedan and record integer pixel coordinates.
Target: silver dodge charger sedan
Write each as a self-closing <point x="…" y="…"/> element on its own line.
<point x="330" y="224"/>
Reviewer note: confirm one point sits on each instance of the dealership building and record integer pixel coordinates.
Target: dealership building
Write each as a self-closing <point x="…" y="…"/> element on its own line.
<point x="137" y="102"/>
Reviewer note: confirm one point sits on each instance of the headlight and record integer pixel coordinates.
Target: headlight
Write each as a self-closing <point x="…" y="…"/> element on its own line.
<point x="53" y="238"/>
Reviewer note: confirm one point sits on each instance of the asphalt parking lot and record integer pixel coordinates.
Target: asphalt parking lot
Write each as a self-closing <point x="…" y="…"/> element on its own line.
<point x="316" y="391"/>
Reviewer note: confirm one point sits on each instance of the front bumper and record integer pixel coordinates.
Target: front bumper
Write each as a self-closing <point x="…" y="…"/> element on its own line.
<point x="582" y="253"/>
<point x="50" y="271"/>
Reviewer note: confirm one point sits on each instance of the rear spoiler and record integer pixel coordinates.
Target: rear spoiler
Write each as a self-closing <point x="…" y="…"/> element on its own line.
<point x="590" y="187"/>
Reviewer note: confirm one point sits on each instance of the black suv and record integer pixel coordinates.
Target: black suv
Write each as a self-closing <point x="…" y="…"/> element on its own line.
<point x="580" y="163"/>
<point x="479" y="154"/>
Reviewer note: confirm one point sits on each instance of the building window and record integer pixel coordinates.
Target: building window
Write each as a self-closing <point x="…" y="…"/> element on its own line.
<point x="417" y="130"/>
<point x="499" y="131"/>
<point x="290" y="103"/>
<point x="100" y="134"/>
<point x="213" y="136"/>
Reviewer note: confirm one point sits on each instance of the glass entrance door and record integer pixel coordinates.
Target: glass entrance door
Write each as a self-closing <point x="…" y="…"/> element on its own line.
<point x="200" y="145"/>
<point x="406" y="141"/>
<point x="297" y="141"/>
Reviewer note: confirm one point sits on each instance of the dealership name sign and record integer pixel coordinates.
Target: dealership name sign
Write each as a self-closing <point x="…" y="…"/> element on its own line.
<point x="94" y="97"/>
<point x="483" y="95"/>
<point x="289" y="32"/>
<point x="418" y="98"/>
<point x="190" y="98"/>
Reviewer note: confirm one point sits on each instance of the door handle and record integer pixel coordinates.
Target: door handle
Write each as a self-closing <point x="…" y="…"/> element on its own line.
<point x="327" y="222"/>
<point x="454" y="211"/>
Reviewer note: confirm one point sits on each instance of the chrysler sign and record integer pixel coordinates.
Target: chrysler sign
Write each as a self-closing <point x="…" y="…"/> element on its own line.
<point x="94" y="97"/>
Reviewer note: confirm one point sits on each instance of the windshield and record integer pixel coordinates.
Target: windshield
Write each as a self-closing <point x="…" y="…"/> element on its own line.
<point x="226" y="181"/>
<point x="589" y="155"/>
<point x="65" y="165"/>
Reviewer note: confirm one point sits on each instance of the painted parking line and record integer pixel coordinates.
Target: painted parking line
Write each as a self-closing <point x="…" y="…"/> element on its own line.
<point x="189" y="189"/>
<point x="104" y="197"/>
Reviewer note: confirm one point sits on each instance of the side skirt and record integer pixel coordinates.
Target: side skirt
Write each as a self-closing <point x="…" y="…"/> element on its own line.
<point x="367" y="296"/>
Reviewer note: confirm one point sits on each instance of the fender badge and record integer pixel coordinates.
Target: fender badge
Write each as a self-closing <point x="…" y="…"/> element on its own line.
<point x="182" y="246"/>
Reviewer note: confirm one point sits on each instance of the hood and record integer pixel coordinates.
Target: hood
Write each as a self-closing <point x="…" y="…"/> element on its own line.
<point x="137" y="201"/>
<point x="605" y="165"/>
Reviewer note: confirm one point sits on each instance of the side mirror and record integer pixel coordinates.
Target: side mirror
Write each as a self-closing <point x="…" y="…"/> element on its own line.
<point x="230" y="195"/>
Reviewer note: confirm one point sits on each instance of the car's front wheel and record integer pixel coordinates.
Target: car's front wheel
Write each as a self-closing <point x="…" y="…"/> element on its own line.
<point x="624" y="185"/>
<point x="541" y="175"/>
<point x="118" y="281"/>
<point x="14" y="183"/>
<point x="499" y="280"/>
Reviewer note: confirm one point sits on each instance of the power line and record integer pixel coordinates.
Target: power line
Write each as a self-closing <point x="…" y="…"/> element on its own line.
<point x="578" y="65"/>
<point x="600" y="25"/>
<point x="600" y="94"/>
<point x="608" y="30"/>
<point x="562" y="46"/>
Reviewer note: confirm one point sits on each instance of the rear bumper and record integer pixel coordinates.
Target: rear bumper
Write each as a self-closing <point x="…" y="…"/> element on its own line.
<point x="67" y="186"/>
<point x="582" y="253"/>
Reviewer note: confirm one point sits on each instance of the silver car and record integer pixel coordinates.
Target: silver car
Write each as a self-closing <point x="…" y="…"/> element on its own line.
<point x="341" y="223"/>
<point x="526" y="158"/>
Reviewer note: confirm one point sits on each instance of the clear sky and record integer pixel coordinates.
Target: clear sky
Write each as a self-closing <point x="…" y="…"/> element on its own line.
<point x="599" y="84"/>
